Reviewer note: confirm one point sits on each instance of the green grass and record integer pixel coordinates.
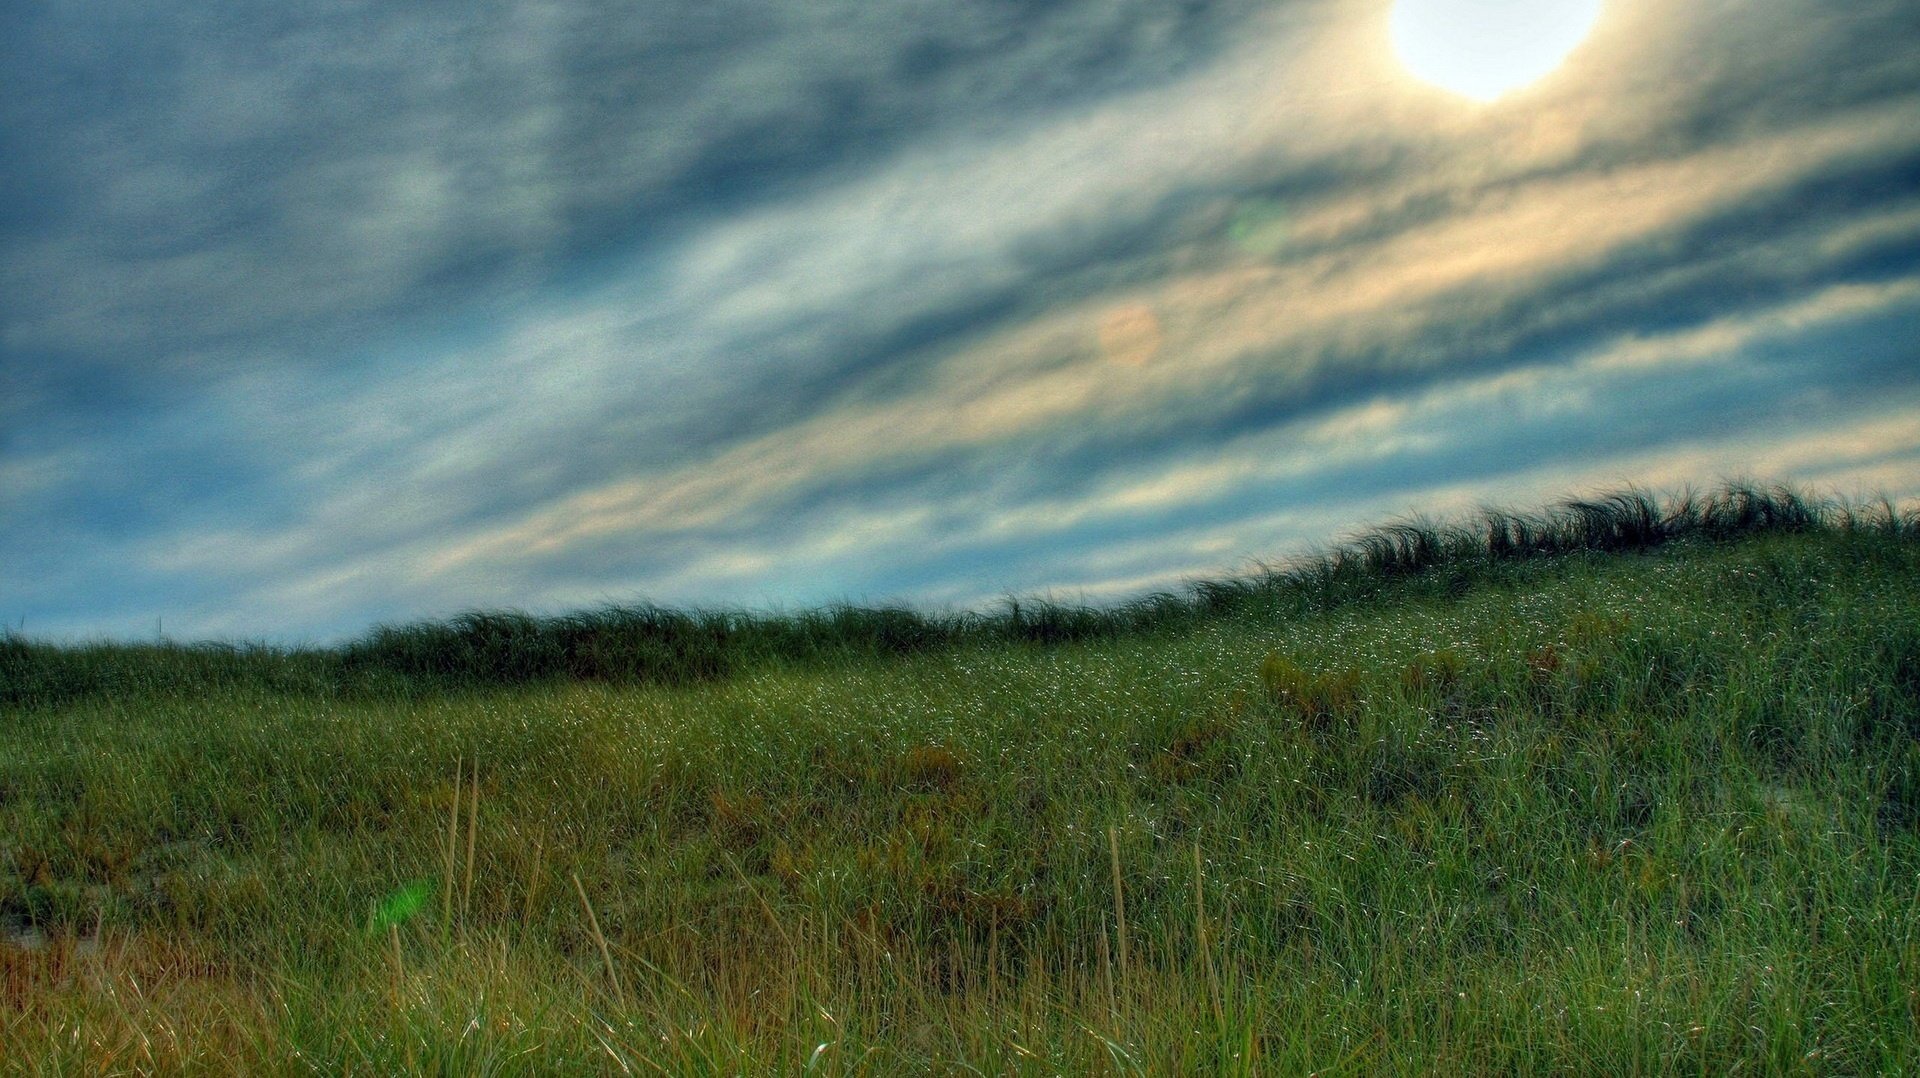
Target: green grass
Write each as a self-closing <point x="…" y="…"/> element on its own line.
<point x="1625" y="788"/>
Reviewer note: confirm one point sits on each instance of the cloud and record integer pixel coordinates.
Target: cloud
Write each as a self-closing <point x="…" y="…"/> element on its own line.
<point x="1502" y="434"/>
<point x="410" y="312"/>
<point x="207" y="178"/>
<point x="1286" y="322"/>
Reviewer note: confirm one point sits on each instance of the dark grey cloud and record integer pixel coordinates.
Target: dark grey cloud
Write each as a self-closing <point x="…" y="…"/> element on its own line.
<point x="206" y="181"/>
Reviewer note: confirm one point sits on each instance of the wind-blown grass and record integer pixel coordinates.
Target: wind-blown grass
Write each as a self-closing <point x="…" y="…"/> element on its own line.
<point x="638" y="645"/>
<point x="1624" y="787"/>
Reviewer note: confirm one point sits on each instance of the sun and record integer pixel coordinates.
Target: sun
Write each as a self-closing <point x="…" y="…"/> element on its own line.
<point x="1483" y="48"/>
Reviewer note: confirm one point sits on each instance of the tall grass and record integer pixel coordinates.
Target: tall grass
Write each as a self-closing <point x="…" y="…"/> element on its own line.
<point x="642" y="644"/>
<point x="1410" y="808"/>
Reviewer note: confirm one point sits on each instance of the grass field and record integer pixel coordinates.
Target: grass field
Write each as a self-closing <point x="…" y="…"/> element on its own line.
<point x="1627" y="787"/>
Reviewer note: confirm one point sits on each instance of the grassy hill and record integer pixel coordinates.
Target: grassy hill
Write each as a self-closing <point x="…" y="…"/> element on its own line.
<point x="1622" y="787"/>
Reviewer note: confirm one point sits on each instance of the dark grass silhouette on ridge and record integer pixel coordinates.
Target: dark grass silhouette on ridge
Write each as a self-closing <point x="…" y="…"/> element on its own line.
<point x="645" y="644"/>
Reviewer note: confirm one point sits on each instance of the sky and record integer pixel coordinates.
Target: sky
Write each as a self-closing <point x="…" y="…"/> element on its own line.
<point x="323" y="313"/>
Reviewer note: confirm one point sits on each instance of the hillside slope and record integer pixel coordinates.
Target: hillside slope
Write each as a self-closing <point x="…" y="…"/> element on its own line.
<point x="1622" y="806"/>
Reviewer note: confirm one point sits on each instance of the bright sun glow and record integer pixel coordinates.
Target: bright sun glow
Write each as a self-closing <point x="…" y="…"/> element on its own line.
<point x="1484" y="48"/>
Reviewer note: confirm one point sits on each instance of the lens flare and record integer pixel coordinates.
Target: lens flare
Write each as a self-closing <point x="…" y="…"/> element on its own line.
<point x="399" y="907"/>
<point x="1260" y="228"/>
<point x="1484" y="48"/>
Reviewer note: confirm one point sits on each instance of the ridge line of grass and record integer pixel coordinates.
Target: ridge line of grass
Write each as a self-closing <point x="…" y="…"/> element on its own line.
<point x="649" y="644"/>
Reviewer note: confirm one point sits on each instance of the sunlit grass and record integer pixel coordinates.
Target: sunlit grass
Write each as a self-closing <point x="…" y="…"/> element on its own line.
<point x="1648" y="801"/>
